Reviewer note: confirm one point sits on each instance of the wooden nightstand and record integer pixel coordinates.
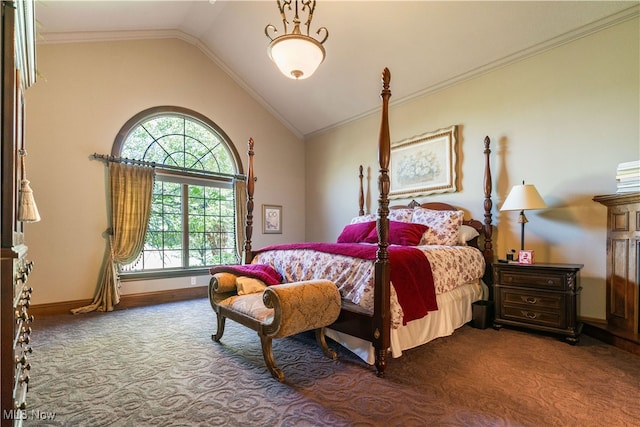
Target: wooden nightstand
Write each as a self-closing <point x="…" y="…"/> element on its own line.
<point x="539" y="296"/>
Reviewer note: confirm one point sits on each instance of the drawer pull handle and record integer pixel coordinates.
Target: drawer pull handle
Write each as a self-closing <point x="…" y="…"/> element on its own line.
<point x="531" y="315"/>
<point x="530" y="300"/>
<point x="550" y="282"/>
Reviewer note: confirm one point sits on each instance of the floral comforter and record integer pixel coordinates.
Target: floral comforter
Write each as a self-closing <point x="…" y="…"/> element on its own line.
<point x="451" y="267"/>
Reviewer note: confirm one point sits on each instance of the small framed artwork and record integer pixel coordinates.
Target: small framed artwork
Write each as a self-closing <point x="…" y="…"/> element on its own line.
<point x="525" y="257"/>
<point x="271" y="219"/>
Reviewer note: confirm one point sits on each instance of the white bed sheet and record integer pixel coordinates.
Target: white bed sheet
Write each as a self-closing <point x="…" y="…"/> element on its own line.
<point x="454" y="310"/>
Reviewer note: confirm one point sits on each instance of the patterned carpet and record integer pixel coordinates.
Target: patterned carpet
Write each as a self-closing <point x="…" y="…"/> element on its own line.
<point x="157" y="366"/>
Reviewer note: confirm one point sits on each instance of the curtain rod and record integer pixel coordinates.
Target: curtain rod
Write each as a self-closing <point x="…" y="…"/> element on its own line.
<point x="110" y="158"/>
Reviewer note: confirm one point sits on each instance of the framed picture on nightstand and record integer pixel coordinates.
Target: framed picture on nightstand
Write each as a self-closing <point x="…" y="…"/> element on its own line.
<point x="525" y="257"/>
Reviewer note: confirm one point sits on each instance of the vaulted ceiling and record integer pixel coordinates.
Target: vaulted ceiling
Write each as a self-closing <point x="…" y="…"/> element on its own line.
<point x="427" y="45"/>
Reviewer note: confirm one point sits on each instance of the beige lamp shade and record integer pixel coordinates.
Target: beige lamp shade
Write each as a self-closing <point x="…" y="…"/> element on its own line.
<point x="523" y="197"/>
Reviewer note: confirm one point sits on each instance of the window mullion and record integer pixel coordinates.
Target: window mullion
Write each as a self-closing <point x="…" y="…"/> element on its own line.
<point x="185" y="225"/>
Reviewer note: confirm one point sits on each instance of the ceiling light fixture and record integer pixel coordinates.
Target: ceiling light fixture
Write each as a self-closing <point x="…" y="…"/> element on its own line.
<point x="296" y="55"/>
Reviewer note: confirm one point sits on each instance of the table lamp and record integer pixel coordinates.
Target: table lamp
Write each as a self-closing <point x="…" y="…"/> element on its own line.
<point x="523" y="197"/>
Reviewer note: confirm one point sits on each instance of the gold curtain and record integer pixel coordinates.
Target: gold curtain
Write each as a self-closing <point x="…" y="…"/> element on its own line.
<point x="241" y="213"/>
<point x="130" y="189"/>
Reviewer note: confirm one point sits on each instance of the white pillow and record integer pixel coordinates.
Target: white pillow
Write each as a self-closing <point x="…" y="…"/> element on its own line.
<point x="467" y="233"/>
<point x="364" y="218"/>
<point x="401" y="215"/>
<point x="443" y="226"/>
<point x="249" y="285"/>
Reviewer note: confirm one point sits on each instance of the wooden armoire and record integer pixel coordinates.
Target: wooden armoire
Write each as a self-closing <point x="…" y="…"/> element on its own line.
<point x="18" y="73"/>
<point x="623" y="261"/>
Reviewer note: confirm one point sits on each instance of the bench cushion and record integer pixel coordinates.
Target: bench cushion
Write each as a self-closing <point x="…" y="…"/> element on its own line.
<point x="250" y="305"/>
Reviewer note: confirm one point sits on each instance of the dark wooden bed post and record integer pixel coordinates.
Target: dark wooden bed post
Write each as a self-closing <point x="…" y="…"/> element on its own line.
<point x="249" y="221"/>
<point x="488" y="229"/>
<point x="361" y="196"/>
<point x="382" y="288"/>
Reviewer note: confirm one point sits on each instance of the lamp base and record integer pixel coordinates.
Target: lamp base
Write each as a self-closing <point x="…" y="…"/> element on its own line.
<point x="522" y="219"/>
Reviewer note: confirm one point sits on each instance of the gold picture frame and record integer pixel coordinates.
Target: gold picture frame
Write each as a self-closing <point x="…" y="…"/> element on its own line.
<point x="424" y="164"/>
<point x="271" y="219"/>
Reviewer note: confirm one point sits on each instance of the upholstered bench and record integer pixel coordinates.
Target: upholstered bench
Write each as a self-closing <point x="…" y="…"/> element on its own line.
<point x="276" y="312"/>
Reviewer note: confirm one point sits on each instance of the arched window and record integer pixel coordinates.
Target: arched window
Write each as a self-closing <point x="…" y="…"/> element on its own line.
<point x="193" y="217"/>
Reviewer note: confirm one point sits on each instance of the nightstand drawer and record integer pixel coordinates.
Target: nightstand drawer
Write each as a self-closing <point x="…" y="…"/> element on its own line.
<point x="532" y="278"/>
<point x="532" y="299"/>
<point x="553" y="319"/>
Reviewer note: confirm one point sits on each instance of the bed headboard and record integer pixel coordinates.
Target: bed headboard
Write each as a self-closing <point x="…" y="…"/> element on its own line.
<point x="485" y="229"/>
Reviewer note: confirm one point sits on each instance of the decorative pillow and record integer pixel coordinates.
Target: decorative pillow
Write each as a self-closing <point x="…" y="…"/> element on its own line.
<point x="402" y="215"/>
<point x="400" y="233"/>
<point x="467" y="233"/>
<point x="357" y="232"/>
<point x="249" y="285"/>
<point x="364" y="218"/>
<point x="443" y="226"/>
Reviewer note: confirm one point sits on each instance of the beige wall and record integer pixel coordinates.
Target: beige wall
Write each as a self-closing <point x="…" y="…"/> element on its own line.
<point x="561" y="120"/>
<point x="84" y="94"/>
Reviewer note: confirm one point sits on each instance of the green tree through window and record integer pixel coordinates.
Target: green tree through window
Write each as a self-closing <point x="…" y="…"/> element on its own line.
<point x="193" y="217"/>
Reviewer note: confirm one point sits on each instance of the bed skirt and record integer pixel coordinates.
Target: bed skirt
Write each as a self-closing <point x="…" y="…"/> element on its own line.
<point x="454" y="310"/>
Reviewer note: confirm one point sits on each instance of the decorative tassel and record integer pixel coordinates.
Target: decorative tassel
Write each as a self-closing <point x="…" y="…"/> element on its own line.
<point x="27" y="209"/>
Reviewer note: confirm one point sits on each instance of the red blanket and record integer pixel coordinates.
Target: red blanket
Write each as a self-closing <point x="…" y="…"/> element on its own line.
<point x="410" y="272"/>
<point x="257" y="271"/>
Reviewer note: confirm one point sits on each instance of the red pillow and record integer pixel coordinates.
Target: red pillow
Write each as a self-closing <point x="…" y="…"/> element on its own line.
<point x="356" y="233"/>
<point x="400" y="233"/>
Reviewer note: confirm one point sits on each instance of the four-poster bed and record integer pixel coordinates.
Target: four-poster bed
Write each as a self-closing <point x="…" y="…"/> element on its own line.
<point x="375" y="316"/>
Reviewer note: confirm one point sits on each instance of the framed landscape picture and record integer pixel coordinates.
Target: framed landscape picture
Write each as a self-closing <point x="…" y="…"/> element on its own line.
<point x="424" y="164"/>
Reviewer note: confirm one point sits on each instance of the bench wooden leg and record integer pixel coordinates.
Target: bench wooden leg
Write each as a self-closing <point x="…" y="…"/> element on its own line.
<point x="322" y="342"/>
<point x="218" y="335"/>
<point x="267" y="353"/>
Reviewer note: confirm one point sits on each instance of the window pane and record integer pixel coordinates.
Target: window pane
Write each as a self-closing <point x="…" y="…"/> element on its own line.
<point x="172" y="259"/>
<point x="179" y="141"/>
<point x="211" y="234"/>
<point x="152" y="259"/>
<point x="136" y="144"/>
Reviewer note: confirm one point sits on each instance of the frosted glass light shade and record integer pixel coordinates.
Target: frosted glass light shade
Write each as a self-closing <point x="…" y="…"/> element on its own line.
<point x="523" y="197"/>
<point x="296" y="56"/>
